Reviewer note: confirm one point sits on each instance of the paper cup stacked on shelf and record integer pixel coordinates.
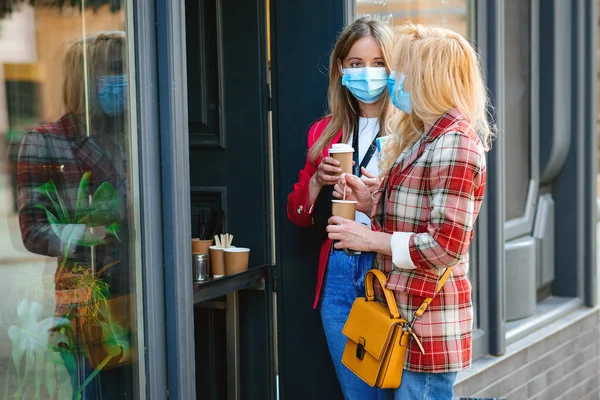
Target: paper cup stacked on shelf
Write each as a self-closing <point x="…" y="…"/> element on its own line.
<point x="200" y="246"/>
<point x="227" y="259"/>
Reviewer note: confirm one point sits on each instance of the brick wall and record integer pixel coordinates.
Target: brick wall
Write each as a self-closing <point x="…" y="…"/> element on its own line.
<point x="563" y="364"/>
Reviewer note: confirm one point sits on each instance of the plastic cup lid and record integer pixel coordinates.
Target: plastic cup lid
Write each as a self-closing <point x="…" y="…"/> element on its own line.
<point x="236" y="249"/>
<point x="341" y="148"/>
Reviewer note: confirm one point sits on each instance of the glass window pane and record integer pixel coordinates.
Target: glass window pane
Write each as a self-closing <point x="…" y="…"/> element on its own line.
<point x="453" y="14"/>
<point x="517" y="106"/>
<point x="68" y="234"/>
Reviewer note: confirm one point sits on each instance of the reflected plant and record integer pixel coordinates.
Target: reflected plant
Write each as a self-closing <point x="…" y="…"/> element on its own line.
<point x="44" y="346"/>
<point x="84" y="324"/>
<point x="102" y="211"/>
<point x="44" y="349"/>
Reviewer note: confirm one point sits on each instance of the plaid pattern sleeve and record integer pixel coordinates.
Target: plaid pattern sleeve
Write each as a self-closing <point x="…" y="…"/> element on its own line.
<point x="455" y="190"/>
<point x="36" y="166"/>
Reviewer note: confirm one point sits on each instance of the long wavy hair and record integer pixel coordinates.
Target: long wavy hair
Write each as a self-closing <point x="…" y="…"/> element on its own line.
<point x="85" y="60"/>
<point x="444" y="72"/>
<point x="343" y="107"/>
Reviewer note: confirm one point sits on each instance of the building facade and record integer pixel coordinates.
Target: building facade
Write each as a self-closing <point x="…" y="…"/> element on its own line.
<point x="130" y="128"/>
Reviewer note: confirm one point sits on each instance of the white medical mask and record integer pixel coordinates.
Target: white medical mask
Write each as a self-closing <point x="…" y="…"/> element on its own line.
<point x="400" y="98"/>
<point x="366" y="84"/>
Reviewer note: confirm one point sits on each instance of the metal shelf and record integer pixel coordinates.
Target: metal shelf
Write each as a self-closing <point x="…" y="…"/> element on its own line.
<point x="252" y="278"/>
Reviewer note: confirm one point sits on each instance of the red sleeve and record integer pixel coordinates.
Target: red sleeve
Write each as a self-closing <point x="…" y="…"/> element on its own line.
<point x="297" y="208"/>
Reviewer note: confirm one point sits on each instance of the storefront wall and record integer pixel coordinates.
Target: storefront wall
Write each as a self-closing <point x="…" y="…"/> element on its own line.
<point x="67" y="325"/>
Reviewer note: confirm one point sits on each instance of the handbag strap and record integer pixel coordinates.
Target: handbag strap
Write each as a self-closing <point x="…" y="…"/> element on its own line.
<point x="421" y="310"/>
<point x="389" y="295"/>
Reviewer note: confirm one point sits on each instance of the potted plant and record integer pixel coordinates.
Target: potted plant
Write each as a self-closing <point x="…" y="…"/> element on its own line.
<point x="89" y="225"/>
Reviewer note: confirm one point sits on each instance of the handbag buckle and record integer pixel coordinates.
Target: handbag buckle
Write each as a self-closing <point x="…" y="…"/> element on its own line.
<point x="360" y="348"/>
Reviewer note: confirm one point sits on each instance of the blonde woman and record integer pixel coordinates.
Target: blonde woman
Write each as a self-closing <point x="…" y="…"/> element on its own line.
<point x="424" y="213"/>
<point x="358" y="104"/>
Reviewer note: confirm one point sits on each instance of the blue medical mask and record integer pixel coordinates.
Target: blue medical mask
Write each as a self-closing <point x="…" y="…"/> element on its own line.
<point x="366" y="84"/>
<point x="400" y="98"/>
<point x="112" y="93"/>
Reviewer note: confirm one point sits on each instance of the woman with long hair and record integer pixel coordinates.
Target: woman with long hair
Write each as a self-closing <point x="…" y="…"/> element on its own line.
<point x="424" y="213"/>
<point x="89" y="140"/>
<point x="358" y="112"/>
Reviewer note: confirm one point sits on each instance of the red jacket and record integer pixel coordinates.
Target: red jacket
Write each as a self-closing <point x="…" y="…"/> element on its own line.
<point x="297" y="209"/>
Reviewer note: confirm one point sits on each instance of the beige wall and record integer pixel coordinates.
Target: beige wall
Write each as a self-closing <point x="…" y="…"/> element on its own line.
<point x="17" y="45"/>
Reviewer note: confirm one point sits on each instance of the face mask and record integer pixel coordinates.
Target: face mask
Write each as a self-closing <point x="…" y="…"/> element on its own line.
<point x="400" y="98"/>
<point x="112" y="93"/>
<point x="366" y="84"/>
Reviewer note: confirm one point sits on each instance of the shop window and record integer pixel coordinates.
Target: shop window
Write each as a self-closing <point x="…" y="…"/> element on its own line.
<point x="68" y="215"/>
<point x="517" y="106"/>
<point x="453" y="14"/>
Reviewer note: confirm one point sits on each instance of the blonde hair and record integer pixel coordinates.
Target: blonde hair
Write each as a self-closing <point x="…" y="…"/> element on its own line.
<point x="85" y="60"/>
<point x="343" y="107"/>
<point x="445" y="73"/>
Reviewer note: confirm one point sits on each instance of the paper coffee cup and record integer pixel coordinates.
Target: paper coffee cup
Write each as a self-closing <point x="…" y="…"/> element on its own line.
<point x="343" y="153"/>
<point x="217" y="261"/>
<point x="201" y="246"/>
<point x="236" y="259"/>
<point x="343" y="208"/>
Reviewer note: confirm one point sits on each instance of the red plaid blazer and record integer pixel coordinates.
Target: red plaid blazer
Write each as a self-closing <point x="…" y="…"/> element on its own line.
<point x="434" y="192"/>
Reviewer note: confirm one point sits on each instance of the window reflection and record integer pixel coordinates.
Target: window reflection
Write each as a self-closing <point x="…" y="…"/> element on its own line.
<point x="68" y="327"/>
<point x="451" y="14"/>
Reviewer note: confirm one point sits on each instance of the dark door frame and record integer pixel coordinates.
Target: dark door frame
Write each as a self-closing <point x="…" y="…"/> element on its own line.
<point x="174" y="151"/>
<point x="160" y="48"/>
<point x="144" y="35"/>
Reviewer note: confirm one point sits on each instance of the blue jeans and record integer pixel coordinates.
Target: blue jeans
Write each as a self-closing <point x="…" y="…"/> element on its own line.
<point x="422" y="386"/>
<point x="344" y="282"/>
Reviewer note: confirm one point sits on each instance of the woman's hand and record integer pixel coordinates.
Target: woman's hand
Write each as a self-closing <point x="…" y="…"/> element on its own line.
<point x="357" y="190"/>
<point x="373" y="182"/>
<point x="328" y="172"/>
<point x="349" y="234"/>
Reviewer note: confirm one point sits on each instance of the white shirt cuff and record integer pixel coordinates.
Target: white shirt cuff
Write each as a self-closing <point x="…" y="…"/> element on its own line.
<point x="400" y="243"/>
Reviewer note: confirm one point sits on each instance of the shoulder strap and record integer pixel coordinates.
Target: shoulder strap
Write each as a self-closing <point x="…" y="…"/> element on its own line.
<point x="421" y="310"/>
<point x="368" y="155"/>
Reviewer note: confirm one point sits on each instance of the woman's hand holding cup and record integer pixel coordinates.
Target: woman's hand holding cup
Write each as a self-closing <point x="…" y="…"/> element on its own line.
<point x="328" y="172"/>
<point x="356" y="190"/>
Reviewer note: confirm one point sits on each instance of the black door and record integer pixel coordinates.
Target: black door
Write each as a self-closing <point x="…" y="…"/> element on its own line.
<point x="304" y="33"/>
<point x="227" y="71"/>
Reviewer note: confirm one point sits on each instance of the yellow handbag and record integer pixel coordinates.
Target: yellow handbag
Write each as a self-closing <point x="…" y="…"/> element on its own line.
<point x="378" y="336"/>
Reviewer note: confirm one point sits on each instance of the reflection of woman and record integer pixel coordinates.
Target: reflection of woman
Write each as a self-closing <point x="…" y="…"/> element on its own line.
<point x="359" y="104"/>
<point x="89" y="138"/>
<point x="425" y="212"/>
